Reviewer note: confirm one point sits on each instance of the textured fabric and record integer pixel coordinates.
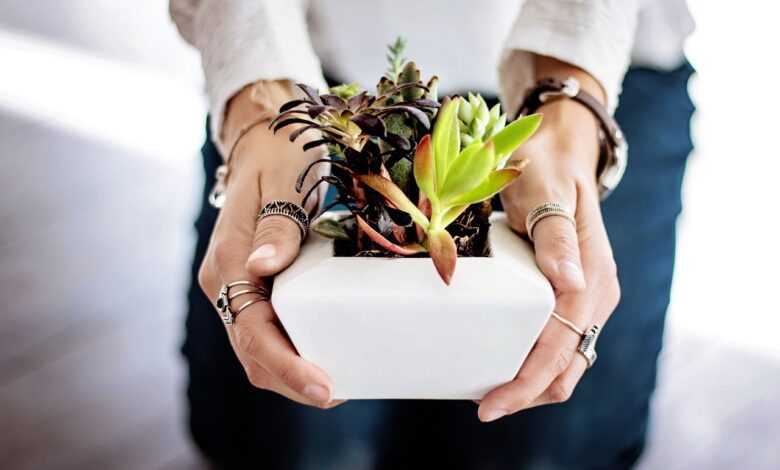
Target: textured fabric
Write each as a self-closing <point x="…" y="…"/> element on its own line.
<point x="485" y="48"/>
<point x="604" y="424"/>
<point x="241" y="42"/>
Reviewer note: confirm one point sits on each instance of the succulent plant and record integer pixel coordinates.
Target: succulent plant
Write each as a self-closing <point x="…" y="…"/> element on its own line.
<point x="477" y="122"/>
<point x="352" y="122"/>
<point x="395" y="58"/>
<point x="346" y="91"/>
<point x="453" y="179"/>
<point x="408" y="190"/>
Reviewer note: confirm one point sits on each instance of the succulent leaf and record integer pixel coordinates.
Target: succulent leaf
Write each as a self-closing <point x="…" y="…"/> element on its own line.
<point x="330" y="228"/>
<point x="310" y="93"/>
<point x="401" y="174"/>
<point x="369" y="124"/>
<point x="469" y="169"/>
<point x="417" y="113"/>
<point x="446" y="139"/>
<point x="477" y="122"/>
<point x="443" y="252"/>
<point x="465" y="114"/>
<point x="433" y="89"/>
<point x="395" y="58"/>
<point x="491" y="186"/>
<point x="424" y="167"/>
<point x="346" y="90"/>
<point x="395" y="196"/>
<point x="452" y="214"/>
<point x="514" y="134"/>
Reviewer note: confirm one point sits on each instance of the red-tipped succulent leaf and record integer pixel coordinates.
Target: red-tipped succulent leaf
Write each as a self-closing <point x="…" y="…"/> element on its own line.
<point x="443" y="252"/>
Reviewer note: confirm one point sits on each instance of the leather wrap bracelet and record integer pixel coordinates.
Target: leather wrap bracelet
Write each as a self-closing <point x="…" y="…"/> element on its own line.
<point x="613" y="155"/>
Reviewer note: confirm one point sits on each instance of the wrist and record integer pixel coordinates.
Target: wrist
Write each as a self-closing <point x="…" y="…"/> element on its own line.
<point x="548" y="67"/>
<point x="254" y="103"/>
<point x="568" y="136"/>
<point x="581" y="88"/>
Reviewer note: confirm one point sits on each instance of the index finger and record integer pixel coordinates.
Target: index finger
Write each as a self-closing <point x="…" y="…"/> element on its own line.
<point x="256" y="334"/>
<point x="260" y="339"/>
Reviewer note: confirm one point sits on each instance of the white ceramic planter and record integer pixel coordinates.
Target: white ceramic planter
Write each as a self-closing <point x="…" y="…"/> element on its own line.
<point x="390" y="328"/>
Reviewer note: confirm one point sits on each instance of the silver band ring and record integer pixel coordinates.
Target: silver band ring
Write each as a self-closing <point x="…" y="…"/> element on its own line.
<point x="541" y="212"/>
<point x="288" y="209"/>
<point x="247" y="304"/>
<point x="226" y="312"/>
<point x="587" y="346"/>
<point x="245" y="291"/>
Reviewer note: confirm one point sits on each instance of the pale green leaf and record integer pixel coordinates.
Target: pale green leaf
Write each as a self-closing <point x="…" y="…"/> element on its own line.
<point x="471" y="167"/>
<point x="452" y="214"/>
<point x="494" y="183"/>
<point x="446" y="139"/>
<point x="514" y="134"/>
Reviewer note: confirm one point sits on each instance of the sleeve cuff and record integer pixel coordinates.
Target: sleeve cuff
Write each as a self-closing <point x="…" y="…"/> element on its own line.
<point x="245" y="42"/>
<point x="594" y="36"/>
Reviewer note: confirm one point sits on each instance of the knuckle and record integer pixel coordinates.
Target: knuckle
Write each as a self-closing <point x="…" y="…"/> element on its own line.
<point x="224" y="252"/>
<point x="612" y="289"/>
<point x="609" y="269"/>
<point x="614" y="293"/>
<point x="560" y="393"/>
<point x="206" y="278"/>
<point x="287" y="374"/>
<point x="257" y="377"/>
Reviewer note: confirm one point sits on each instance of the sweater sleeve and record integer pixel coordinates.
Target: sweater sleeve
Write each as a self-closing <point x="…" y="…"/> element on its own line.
<point x="594" y="35"/>
<point x="241" y="42"/>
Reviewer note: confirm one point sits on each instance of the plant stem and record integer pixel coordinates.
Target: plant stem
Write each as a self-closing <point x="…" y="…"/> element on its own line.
<point x="436" y="215"/>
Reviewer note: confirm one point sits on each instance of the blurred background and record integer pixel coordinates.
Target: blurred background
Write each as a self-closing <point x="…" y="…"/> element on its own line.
<point x="101" y="117"/>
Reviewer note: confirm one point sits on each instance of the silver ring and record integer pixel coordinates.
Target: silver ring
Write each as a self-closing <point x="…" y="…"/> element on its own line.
<point x="224" y="297"/>
<point x="540" y="212"/>
<point x="587" y="346"/>
<point x="287" y="209"/>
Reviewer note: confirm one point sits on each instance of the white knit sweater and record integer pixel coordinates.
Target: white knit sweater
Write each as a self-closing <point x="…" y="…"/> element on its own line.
<point x="472" y="45"/>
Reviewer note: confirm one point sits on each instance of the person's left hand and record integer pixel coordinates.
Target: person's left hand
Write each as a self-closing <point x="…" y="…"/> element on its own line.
<point x="578" y="262"/>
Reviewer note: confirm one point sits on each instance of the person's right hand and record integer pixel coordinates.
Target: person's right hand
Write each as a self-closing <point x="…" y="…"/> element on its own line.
<point x="264" y="167"/>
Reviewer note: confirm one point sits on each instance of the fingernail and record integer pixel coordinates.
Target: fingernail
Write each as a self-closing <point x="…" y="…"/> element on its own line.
<point x="263" y="251"/>
<point x="317" y="393"/>
<point x="571" y="273"/>
<point x="493" y="414"/>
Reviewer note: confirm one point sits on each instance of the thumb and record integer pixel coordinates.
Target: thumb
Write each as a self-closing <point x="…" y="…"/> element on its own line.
<point x="276" y="243"/>
<point x="558" y="253"/>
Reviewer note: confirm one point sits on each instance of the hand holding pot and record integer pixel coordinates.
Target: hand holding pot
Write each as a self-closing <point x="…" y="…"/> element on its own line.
<point x="263" y="168"/>
<point x="577" y="261"/>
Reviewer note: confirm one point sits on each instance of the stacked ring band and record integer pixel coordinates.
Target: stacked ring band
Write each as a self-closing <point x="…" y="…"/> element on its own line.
<point x="225" y="296"/>
<point x="548" y="209"/>
<point x="287" y="209"/>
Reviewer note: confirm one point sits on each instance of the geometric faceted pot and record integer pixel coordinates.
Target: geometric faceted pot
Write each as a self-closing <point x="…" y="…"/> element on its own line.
<point x="391" y="328"/>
